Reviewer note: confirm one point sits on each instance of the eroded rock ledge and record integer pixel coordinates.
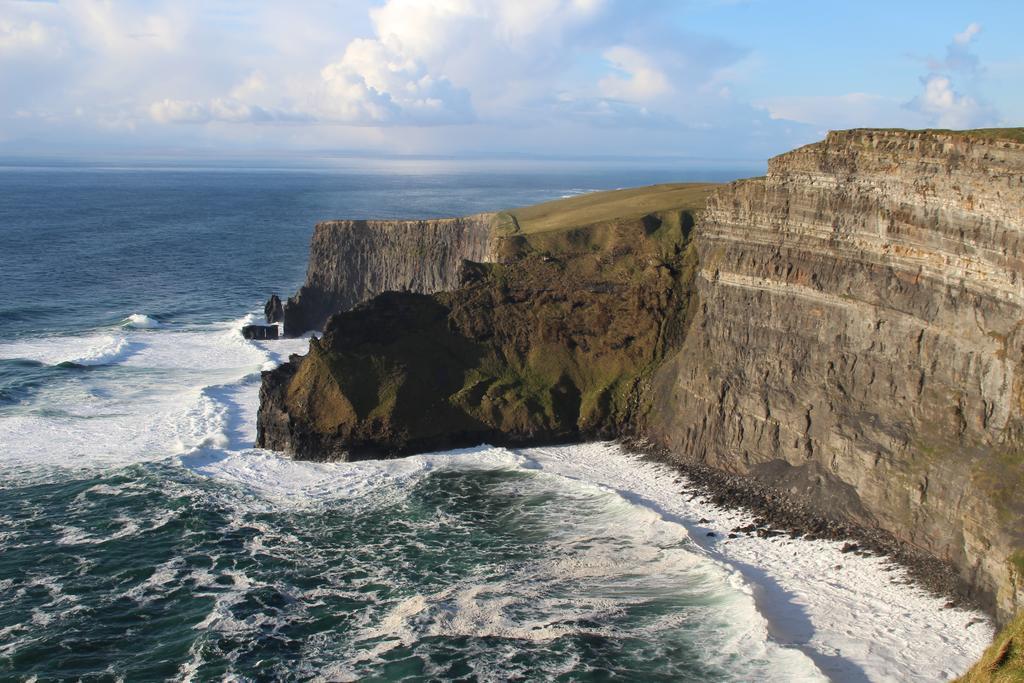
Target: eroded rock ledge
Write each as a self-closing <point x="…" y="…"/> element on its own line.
<point x="351" y="261"/>
<point x="555" y="343"/>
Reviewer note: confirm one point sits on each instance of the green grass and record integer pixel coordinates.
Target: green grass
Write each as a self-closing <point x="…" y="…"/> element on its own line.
<point x="1017" y="560"/>
<point x="1003" y="661"/>
<point x="600" y="207"/>
<point x="1009" y="134"/>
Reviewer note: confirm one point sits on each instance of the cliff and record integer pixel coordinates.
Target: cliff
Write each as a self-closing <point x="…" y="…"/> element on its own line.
<point x="845" y="329"/>
<point x="859" y="342"/>
<point x="353" y="261"/>
<point x="556" y="342"/>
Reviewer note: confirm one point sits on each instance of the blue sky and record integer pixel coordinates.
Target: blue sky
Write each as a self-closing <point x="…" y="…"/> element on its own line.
<point x="715" y="79"/>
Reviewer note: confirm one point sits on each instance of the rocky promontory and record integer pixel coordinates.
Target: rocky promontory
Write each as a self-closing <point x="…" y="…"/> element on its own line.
<point x="555" y="341"/>
<point x="859" y="342"/>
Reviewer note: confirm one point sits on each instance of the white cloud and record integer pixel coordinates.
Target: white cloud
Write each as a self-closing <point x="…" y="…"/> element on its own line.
<point x="179" y="111"/>
<point x="965" y="36"/>
<point x="949" y="98"/>
<point x="530" y="75"/>
<point x="851" y="110"/>
<point x="638" y="79"/>
<point x="19" y="39"/>
<point x="948" y="108"/>
<point x="252" y="86"/>
<point x="223" y="109"/>
<point x="377" y="83"/>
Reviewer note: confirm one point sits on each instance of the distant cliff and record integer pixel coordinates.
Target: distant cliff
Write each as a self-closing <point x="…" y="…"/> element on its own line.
<point x="353" y="261"/>
<point x="859" y="340"/>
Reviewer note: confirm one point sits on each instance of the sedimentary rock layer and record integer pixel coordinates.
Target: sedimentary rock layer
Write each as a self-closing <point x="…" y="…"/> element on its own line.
<point x="859" y="341"/>
<point x="353" y="260"/>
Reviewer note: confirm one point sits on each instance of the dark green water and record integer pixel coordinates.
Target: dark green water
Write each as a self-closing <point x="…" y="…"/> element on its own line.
<point x="151" y="573"/>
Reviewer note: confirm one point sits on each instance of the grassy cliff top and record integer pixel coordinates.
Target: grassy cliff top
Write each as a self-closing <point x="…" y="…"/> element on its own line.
<point x="1010" y="134"/>
<point x="1003" y="661"/>
<point x="599" y="207"/>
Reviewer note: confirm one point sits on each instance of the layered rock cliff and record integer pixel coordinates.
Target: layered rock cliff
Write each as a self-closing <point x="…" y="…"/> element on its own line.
<point x="353" y="260"/>
<point x="859" y="341"/>
<point x="846" y="329"/>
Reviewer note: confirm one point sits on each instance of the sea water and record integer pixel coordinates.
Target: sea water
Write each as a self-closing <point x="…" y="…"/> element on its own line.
<point x="142" y="537"/>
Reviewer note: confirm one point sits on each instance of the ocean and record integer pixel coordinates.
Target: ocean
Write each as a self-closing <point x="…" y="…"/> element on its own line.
<point x="142" y="537"/>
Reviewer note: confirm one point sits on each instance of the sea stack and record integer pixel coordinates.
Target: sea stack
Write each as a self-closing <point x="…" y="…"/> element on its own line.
<point x="260" y="332"/>
<point x="273" y="311"/>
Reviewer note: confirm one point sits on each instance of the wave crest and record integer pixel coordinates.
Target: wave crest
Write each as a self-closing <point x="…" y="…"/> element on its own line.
<point x="141" y="321"/>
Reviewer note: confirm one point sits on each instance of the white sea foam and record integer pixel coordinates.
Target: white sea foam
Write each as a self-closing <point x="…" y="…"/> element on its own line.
<point x="575" y="192"/>
<point x="186" y="387"/>
<point x="853" y="616"/>
<point x="141" y="321"/>
<point x="92" y="350"/>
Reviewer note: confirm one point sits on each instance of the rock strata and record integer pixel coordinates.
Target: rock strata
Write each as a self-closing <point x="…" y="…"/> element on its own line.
<point x="351" y="261"/>
<point x="845" y="332"/>
<point x="554" y="344"/>
<point x="859" y="343"/>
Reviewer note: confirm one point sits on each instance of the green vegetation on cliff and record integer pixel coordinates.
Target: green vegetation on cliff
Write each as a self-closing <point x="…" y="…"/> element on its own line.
<point x="600" y="207"/>
<point x="555" y="342"/>
<point x="1003" y="661"/>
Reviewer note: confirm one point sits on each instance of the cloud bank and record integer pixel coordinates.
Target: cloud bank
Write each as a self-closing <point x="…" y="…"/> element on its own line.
<point x="549" y="77"/>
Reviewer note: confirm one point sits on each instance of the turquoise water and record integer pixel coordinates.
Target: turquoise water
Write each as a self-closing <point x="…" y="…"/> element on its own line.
<point x="141" y="538"/>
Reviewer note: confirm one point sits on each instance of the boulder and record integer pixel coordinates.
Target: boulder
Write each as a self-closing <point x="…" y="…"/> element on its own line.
<point x="260" y="331"/>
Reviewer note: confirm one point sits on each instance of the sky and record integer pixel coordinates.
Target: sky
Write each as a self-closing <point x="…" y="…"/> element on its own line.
<point x="574" y="79"/>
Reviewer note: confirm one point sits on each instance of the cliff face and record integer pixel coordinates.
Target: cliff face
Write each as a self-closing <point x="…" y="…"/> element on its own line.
<point x="556" y="343"/>
<point x="859" y="341"/>
<point x="353" y="261"/>
<point x="847" y="328"/>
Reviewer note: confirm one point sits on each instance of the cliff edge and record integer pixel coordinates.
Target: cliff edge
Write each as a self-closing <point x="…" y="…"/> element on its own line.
<point x="556" y="341"/>
<point x="846" y="329"/>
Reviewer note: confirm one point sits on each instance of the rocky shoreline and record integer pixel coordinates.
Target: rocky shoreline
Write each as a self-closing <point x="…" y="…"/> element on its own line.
<point x="779" y="513"/>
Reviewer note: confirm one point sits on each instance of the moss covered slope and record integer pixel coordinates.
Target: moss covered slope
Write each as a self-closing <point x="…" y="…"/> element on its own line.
<point x="554" y="342"/>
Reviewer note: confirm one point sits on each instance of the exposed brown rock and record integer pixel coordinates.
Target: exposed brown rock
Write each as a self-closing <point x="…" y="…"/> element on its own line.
<point x="542" y="348"/>
<point x="846" y="330"/>
<point x="859" y="341"/>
